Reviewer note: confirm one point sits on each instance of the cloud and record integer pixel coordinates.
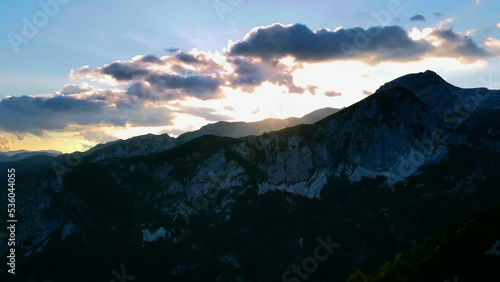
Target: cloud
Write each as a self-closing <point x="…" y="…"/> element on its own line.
<point x="194" y="61"/>
<point x="142" y="88"/>
<point x="20" y="136"/>
<point x="373" y="45"/>
<point x="249" y="73"/>
<point x="5" y="144"/>
<point x="194" y="74"/>
<point x="444" y="22"/>
<point x="124" y="71"/>
<point x="171" y="50"/>
<point x="70" y="89"/>
<point x="417" y="18"/>
<point x="263" y="56"/>
<point x="176" y="80"/>
<point x="35" y="115"/>
<point x="312" y="89"/>
<point x="333" y="93"/>
<point x="187" y="58"/>
<point x="457" y="45"/>
<point x="150" y="59"/>
<point x="168" y="87"/>
<point x="498" y="25"/>
<point x="196" y="85"/>
<point x="492" y="44"/>
<point x="149" y="90"/>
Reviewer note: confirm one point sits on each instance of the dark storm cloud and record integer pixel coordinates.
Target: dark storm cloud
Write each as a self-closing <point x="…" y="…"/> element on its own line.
<point x="303" y="44"/>
<point x="124" y="71"/>
<point x="417" y="18"/>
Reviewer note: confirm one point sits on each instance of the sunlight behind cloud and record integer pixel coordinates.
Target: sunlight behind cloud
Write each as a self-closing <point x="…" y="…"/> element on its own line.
<point x="418" y="34"/>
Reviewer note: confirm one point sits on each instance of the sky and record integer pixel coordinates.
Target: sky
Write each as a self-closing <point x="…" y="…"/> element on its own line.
<point x="77" y="73"/>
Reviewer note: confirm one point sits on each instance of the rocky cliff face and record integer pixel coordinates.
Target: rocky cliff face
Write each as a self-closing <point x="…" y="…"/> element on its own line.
<point x="204" y="209"/>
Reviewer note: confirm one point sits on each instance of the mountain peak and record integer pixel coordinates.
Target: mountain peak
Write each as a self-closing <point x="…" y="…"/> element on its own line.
<point x="430" y="76"/>
<point x="416" y="81"/>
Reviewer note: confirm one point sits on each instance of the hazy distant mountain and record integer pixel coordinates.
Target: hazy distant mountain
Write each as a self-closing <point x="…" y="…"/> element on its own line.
<point x="377" y="178"/>
<point x="150" y="143"/>
<point x="242" y="129"/>
<point x="13" y="156"/>
<point x="46" y="152"/>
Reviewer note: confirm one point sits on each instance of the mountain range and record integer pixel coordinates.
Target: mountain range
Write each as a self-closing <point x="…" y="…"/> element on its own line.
<point x="369" y="185"/>
<point x="151" y="143"/>
<point x="13" y="156"/>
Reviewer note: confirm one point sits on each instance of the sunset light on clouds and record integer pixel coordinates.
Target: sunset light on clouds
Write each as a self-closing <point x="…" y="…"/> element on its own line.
<point x="81" y="81"/>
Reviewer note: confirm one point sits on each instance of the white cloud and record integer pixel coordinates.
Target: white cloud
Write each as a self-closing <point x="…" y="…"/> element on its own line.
<point x="493" y="45"/>
<point x="445" y="22"/>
